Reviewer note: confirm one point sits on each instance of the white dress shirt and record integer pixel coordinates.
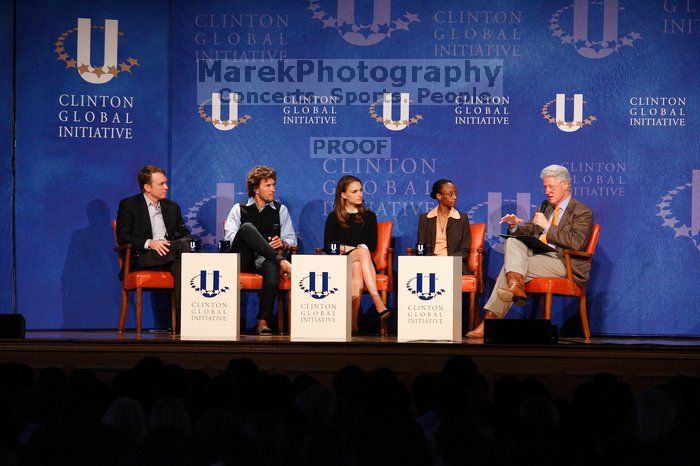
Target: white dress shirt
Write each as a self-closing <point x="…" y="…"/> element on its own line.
<point x="157" y="223"/>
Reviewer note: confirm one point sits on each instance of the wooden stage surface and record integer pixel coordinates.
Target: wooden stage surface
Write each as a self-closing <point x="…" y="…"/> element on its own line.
<point x="638" y="361"/>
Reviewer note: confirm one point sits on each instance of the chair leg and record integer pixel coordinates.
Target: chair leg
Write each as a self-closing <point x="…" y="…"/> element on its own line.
<point x="288" y="312"/>
<point x="173" y="313"/>
<point x="139" y="308"/>
<point x="472" y="310"/>
<point x="383" y="324"/>
<point x="584" y="316"/>
<point x="280" y="314"/>
<point x="123" y="310"/>
<point x="548" y="306"/>
<point x="383" y="328"/>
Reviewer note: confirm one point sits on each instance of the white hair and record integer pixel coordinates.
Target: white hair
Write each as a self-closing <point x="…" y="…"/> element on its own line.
<point x="558" y="172"/>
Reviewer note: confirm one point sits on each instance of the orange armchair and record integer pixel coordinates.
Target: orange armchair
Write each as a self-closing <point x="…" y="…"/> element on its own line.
<point x="140" y="280"/>
<point x="383" y="257"/>
<point x="566" y="286"/>
<point x="253" y="282"/>
<point x="472" y="284"/>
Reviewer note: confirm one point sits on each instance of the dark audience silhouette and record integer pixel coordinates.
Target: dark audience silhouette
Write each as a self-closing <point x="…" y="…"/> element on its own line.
<point x="163" y="414"/>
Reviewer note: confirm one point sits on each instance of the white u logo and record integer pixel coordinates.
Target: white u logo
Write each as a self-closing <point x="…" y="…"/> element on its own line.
<point x="110" y="59"/>
<point x="346" y="15"/>
<point x="402" y="123"/>
<point x="610" y="25"/>
<point x="560" y="115"/>
<point x="224" y="125"/>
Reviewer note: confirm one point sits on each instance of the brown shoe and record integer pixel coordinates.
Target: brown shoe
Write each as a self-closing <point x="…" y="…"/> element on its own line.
<point x="263" y="329"/>
<point x="515" y="293"/>
<point x="478" y="332"/>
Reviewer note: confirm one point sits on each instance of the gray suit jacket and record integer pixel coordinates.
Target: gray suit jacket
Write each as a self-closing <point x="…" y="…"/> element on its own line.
<point x="571" y="232"/>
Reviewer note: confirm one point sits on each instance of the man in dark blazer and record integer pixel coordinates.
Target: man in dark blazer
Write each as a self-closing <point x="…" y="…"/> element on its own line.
<point x="154" y="226"/>
<point x="565" y="223"/>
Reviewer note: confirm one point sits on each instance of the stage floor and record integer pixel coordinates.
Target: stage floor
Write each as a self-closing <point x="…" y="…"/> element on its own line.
<point x="163" y="336"/>
<point x="640" y="362"/>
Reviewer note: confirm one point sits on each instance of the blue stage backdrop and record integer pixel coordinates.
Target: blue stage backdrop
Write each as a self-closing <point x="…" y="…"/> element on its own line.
<point x="484" y="93"/>
<point x="81" y="139"/>
<point x="6" y="31"/>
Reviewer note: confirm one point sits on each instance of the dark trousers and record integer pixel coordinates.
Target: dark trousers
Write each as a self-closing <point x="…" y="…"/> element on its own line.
<point x="171" y="262"/>
<point x="257" y="256"/>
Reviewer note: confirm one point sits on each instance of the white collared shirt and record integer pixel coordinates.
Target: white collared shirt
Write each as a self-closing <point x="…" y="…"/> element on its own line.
<point x="158" y="230"/>
<point x="233" y="223"/>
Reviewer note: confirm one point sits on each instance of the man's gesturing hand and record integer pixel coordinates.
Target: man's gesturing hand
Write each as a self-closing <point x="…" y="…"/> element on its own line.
<point x="511" y="219"/>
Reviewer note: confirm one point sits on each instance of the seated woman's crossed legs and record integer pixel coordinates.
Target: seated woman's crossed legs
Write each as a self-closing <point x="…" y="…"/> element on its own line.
<point x="364" y="277"/>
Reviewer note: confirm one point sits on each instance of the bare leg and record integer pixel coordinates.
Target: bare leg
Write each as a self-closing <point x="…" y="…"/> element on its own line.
<point x="369" y="275"/>
<point x="356" y="288"/>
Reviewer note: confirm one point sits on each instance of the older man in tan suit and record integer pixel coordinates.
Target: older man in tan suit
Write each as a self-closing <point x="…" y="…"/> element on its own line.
<point x="565" y="224"/>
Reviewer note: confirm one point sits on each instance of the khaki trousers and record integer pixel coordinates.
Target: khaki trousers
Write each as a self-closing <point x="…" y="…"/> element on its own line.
<point x="519" y="258"/>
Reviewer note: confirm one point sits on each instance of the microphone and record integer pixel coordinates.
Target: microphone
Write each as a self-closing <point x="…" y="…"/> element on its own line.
<point x="544" y="205"/>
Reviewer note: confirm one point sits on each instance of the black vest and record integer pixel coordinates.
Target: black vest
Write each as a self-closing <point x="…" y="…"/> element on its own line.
<point x="267" y="221"/>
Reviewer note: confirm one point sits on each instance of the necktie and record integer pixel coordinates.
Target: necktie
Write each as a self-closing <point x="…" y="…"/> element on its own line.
<point x="543" y="236"/>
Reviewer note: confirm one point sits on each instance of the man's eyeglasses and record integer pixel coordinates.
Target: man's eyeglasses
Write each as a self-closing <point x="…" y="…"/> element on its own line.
<point x="546" y="189"/>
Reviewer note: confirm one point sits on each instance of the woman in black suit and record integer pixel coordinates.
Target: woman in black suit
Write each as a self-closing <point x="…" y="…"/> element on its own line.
<point x="444" y="227"/>
<point x="354" y="228"/>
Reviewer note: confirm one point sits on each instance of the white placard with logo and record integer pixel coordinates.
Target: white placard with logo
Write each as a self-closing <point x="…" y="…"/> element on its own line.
<point x="210" y="296"/>
<point x="321" y="298"/>
<point x="430" y="298"/>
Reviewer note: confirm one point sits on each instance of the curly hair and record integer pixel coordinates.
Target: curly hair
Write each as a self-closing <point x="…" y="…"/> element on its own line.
<point x="258" y="174"/>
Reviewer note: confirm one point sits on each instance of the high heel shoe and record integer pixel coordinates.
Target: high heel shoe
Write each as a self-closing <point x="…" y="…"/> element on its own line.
<point x="385" y="314"/>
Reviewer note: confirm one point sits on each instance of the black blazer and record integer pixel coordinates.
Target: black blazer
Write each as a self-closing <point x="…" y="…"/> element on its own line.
<point x="134" y="223"/>
<point x="458" y="236"/>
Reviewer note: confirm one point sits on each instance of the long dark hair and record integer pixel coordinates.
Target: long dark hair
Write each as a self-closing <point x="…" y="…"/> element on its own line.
<point x="339" y="203"/>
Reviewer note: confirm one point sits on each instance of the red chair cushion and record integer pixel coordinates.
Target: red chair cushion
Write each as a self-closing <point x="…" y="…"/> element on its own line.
<point x="250" y="281"/>
<point x="285" y="283"/>
<point x="552" y="285"/>
<point x="382" y="282"/>
<point x="468" y="283"/>
<point x="253" y="281"/>
<point x="149" y="279"/>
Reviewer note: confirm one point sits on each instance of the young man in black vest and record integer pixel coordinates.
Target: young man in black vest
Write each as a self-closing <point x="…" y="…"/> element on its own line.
<point x="154" y="226"/>
<point x="261" y="231"/>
